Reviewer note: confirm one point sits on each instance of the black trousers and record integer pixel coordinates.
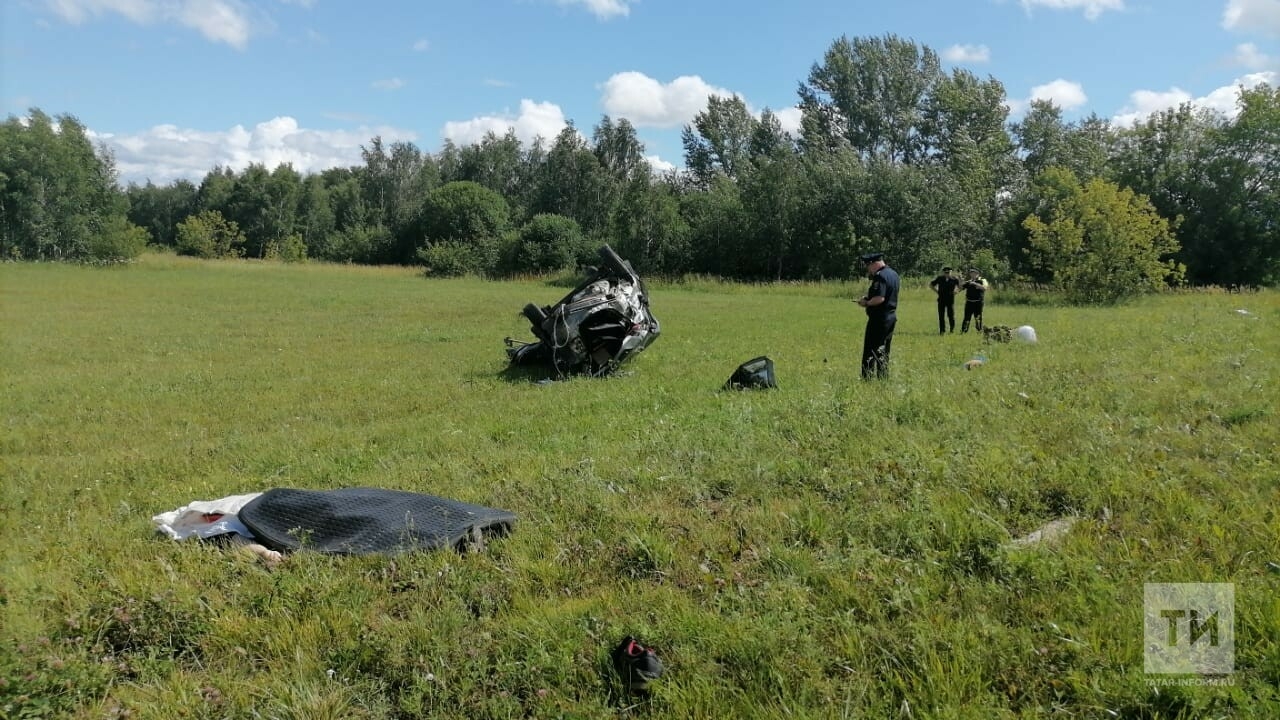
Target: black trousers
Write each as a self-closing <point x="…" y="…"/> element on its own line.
<point x="946" y="312"/>
<point x="876" y="343"/>
<point x="972" y="311"/>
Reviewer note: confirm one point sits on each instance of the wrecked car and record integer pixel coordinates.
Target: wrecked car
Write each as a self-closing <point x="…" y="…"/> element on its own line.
<point x="595" y="328"/>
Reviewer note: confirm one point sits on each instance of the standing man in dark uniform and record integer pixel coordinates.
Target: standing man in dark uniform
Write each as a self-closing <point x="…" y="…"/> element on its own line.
<point x="975" y="294"/>
<point x="881" y="302"/>
<point x="945" y="286"/>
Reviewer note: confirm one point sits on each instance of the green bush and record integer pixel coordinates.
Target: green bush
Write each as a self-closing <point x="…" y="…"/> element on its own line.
<point x="449" y="259"/>
<point x="209" y="235"/>
<point x="1102" y="243"/>
<point x="118" y="241"/>
<point x="356" y="244"/>
<point x="548" y="242"/>
<point x="289" y="249"/>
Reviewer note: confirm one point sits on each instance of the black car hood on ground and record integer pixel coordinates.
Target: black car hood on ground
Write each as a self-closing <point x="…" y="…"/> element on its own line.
<point x="595" y="328"/>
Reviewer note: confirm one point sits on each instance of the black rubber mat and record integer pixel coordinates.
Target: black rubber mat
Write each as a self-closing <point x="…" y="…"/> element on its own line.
<point x="360" y="521"/>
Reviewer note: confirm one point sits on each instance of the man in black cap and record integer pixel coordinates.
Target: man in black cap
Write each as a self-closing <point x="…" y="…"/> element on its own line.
<point x="975" y="295"/>
<point x="881" y="302"/>
<point x="945" y="287"/>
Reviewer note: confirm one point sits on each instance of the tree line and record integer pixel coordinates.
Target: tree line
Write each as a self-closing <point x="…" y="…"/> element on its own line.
<point x="893" y="153"/>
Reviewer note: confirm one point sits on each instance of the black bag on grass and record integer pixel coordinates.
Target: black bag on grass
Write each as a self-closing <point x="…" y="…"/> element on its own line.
<point x="754" y="373"/>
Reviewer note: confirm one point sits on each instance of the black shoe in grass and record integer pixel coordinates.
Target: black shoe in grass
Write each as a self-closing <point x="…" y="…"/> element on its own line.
<point x="636" y="664"/>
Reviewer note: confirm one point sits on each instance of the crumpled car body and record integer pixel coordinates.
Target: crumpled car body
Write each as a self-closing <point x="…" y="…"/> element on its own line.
<point x="595" y="328"/>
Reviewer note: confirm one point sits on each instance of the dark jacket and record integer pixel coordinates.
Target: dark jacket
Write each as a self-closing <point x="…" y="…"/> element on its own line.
<point x="975" y="290"/>
<point x="883" y="284"/>
<point x="946" y="286"/>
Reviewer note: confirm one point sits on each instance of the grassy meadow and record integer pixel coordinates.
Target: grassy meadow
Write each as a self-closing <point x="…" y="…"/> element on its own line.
<point x="833" y="548"/>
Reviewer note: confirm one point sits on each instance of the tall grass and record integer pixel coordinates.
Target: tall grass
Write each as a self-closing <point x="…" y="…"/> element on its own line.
<point x="833" y="548"/>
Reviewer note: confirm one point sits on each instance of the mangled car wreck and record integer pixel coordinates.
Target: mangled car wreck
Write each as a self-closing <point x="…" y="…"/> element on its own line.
<point x="595" y="328"/>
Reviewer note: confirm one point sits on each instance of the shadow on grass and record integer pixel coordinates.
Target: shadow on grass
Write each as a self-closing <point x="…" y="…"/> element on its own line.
<point x="543" y="375"/>
<point x="518" y="374"/>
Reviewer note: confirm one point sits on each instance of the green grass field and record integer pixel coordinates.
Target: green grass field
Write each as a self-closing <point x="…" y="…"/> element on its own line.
<point x="833" y="548"/>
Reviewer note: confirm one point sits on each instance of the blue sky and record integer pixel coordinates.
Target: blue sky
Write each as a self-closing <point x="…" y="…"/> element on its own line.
<point x="175" y="87"/>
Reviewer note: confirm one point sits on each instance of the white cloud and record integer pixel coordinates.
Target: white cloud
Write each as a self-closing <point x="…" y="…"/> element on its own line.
<point x="648" y="103"/>
<point x="658" y="164"/>
<point x="1092" y="8"/>
<point x="1255" y="16"/>
<point x="394" y="83"/>
<point x="544" y="120"/>
<point x="789" y="119"/>
<point x="218" y="20"/>
<point x="1143" y="103"/>
<point x="166" y="153"/>
<point x="602" y="9"/>
<point x="967" y="54"/>
<point x="1248" y="55"/>
<point x="225" y="21"/>
<point x="1066" y="94"/>
<point x="300" y="3"/>
<point x="422" y="45"/>
<point x="1222" y="100"/>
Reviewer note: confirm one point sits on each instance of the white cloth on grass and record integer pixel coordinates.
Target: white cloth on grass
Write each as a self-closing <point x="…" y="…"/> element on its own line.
<point x="205" y="518"/>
